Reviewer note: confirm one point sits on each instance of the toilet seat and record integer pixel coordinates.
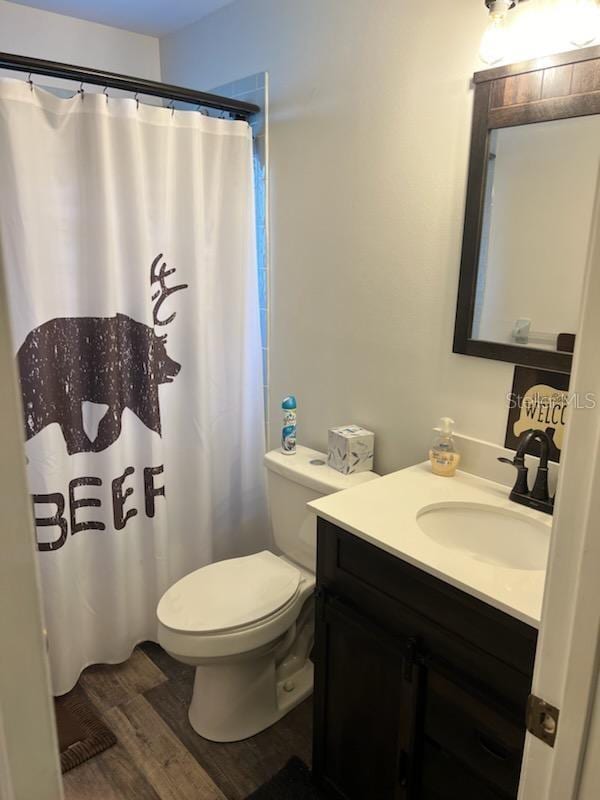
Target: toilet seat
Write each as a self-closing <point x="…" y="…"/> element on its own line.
<point x="232" y="607"/>
<point x="229" y="595"/>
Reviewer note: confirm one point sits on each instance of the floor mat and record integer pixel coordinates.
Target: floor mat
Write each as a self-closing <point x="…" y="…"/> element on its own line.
<point x="293" y="782"/>
<point x="81" y="732"/>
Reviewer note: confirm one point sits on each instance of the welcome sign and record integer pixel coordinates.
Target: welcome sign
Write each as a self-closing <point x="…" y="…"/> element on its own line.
<point x="539" y="400"/>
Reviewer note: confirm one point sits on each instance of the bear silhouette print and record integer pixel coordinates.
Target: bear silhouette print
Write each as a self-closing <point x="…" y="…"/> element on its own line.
<point x="115" y="361"/>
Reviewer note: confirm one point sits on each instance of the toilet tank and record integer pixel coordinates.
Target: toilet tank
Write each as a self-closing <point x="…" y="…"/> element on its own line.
<point x="292" y="482"/>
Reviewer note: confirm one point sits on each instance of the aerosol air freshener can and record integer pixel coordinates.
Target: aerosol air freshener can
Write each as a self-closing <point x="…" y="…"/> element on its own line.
<point x="288" y="432"/>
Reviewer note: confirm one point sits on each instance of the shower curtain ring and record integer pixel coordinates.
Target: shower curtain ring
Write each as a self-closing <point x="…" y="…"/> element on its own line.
<point x="30" y="81"/>
<point x="172" y="107"/>
<point x="81" y="90"/>
<point x="137" y="100"/>
<point x="105" y="93"/>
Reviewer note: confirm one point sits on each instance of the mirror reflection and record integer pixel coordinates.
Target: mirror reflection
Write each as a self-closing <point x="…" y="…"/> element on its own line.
<point x="539" y="196"/>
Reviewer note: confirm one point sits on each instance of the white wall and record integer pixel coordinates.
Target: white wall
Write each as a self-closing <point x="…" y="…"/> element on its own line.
<point x="369" y="134"/>
<point x="30" y="32"/>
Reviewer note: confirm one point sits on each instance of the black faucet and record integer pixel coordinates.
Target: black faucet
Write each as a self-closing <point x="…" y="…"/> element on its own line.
<point x="539" y="497"/>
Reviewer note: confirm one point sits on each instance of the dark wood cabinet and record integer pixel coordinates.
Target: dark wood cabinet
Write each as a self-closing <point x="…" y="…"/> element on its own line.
<point x="370" y="704"/>
<point x="420" y="689"/>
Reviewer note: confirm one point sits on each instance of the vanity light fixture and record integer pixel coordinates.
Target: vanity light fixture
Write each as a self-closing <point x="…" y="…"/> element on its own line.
<point x="493" y="42"/>
<point x="576" y="22"/>
<point x="584" y="22"/>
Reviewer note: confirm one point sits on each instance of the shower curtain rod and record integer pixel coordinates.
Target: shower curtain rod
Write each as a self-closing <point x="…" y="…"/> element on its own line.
<point x="113" y="80"/>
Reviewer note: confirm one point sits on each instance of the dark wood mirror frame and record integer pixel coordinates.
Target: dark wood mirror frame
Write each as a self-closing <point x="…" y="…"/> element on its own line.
<point x="555" y="87"/>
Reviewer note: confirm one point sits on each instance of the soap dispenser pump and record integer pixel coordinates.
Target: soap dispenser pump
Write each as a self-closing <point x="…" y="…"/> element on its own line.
<point x="443" y="456"/>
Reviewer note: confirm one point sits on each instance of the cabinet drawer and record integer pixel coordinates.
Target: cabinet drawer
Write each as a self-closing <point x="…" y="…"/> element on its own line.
<point x="444" y="778"/>
<point x="357" y="569"/>
<point x="479" y="735"/>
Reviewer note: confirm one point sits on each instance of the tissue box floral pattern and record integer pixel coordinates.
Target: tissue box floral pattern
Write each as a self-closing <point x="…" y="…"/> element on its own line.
<point x="350" y="449"/>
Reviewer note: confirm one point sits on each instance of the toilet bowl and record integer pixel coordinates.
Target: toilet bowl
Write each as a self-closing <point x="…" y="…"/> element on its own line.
<point x="247" y="624"/>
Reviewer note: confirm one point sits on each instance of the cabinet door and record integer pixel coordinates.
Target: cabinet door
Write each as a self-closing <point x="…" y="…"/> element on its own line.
<point x="366" y="686"/>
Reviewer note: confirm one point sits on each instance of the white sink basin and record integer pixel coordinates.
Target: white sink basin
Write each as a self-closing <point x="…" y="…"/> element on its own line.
<point x="463" y="530"/>
<point x="487" y="533"/>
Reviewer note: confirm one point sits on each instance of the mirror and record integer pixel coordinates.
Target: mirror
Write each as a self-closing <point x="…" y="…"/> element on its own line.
<point x="531" y="195"/>
<point x="537" y="214"/>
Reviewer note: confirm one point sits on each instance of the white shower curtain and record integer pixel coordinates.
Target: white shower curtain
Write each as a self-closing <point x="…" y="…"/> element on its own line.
<point x="119" y="225"/>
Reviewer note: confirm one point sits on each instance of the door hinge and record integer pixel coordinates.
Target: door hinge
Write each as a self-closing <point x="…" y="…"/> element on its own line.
<point x="542" y="719"/>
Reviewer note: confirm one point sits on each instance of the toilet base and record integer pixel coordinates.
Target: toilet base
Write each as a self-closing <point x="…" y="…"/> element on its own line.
<point x="234" y="701"/>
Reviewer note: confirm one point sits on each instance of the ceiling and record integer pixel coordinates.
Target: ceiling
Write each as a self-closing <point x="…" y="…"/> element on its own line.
<point x="153" y="17"/>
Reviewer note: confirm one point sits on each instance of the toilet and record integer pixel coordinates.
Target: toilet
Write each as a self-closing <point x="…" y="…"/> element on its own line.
<point x="246" y="624"/>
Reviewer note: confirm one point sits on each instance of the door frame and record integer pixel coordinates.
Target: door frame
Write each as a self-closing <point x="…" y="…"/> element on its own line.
<point x="28" y="741"/>
<point x="567" y="659"/>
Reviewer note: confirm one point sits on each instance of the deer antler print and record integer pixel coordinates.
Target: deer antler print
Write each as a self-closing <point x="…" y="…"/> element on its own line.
<point x="159" y="275"/>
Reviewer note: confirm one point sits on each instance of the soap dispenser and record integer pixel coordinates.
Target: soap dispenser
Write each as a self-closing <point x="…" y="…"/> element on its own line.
<point x="443" y="456"/>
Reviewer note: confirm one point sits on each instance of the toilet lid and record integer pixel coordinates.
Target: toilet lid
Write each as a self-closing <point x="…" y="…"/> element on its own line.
<point x="229" y="594"/>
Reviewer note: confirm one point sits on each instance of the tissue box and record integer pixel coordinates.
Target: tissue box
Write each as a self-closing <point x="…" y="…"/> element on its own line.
<point x="350" y="449"/>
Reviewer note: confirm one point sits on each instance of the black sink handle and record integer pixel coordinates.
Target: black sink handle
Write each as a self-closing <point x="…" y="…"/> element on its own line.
<point x="520" y="486"/>
<point x="507" y="461"/>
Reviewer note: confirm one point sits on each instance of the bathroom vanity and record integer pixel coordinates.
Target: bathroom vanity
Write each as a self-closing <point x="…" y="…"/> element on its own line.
<point x="421" y="678"/>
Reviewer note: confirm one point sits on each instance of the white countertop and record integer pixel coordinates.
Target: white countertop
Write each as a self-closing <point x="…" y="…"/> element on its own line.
<point x="384" y="513"/>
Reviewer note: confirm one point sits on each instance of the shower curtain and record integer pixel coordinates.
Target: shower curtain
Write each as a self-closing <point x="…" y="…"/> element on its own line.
<point x="127" y="238"/>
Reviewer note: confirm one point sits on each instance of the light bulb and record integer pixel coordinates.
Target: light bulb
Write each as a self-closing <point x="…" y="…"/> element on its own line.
<point x="583" y="21"/>
<point x="494" y="40"/>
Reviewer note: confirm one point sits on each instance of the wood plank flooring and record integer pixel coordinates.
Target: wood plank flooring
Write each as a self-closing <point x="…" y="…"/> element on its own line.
<point x="158" y="755"/>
